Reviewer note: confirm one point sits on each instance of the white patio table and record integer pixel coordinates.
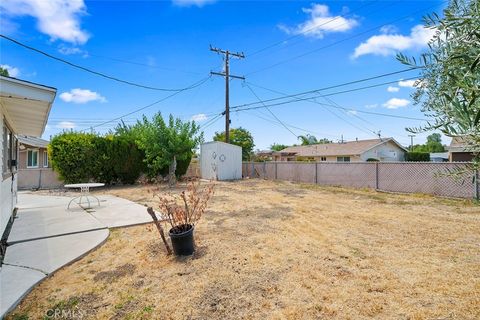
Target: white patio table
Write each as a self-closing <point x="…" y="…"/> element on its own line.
<point x="84" y="193"/>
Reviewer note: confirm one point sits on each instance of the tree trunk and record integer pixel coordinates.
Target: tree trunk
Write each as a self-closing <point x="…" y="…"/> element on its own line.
<point x="172" y="179"/>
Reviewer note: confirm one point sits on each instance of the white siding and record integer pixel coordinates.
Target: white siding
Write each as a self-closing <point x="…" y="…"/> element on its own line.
<point x="208" y="163"/>
<point x="220" y="161"/>
<point x="388" y="151"/>
<point x="8" y="189"/>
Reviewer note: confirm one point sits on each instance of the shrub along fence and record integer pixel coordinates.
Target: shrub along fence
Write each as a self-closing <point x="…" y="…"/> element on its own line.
<point x="406" y="177"/>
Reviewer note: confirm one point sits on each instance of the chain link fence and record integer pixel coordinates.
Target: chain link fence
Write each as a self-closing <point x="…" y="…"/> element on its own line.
<point x="405" y="177"/>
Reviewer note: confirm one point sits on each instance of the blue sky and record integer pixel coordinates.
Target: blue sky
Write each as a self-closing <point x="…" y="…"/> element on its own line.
<point x="166" y="44"/>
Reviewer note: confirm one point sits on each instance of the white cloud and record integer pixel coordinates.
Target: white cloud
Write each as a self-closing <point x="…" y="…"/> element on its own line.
<point x="407" y="83"/>
<point x="320" y="22"/>
<point x="65" y="50"/>
<point x="81" y="96"/>
<point x="199" y="117"/>
<point x="371" y="106"/>
<point x="389" y="28"/>
<point x="12" y="71"/>
<point x="352" y="112"/>
<point x="60" y="19"/>
<point x="66" y="125"/>
<point x="189" y="3"/>
<point x="396" y="103"/>
<point x="389" y="44"/>
<point x="393" y="89"/>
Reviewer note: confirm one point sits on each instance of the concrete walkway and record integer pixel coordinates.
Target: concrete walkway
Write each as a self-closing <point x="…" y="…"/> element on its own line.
<point x="45" y="236"/>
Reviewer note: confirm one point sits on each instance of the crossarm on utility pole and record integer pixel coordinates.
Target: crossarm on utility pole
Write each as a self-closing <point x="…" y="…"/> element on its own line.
<point x="227" y="76"/>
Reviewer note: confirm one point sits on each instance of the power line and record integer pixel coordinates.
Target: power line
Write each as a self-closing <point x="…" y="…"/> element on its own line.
<point x="273" y="114"/>
<point x="151" y="104"/>
<point x="340" y="41"/>
<point x="97" y="120"/>
<point x="338" y="116"/>
<point x="290" y="125"/>
<point x="313" y="97"/>
<point x="239" y="108"/>
<point x="353" y="113"/>
<point x="308" y="30"/>
<point x="329" y="87"/>
<point x="90" y="70"/>
<point x="211" y="121"/>
<point x="142" y="64"/>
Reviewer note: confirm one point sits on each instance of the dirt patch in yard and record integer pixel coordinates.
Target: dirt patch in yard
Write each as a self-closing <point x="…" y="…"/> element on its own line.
<point x="279" y="250"/>
<point x="127" y="269"/>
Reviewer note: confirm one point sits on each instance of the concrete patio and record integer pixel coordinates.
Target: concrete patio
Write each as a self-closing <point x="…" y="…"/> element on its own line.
<point x="45" y="236"/>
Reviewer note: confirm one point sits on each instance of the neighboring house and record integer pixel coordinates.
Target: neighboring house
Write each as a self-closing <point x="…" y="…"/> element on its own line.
<point x="386" y="149"/>
<point x="34" y="169"/>
<point x="439" y="156"/>
<point x="458" y="150"/>
<point x="24" y="110"/>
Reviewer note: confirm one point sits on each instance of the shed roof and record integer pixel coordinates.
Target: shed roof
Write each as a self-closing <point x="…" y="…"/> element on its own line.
<point x="339" y="149"/>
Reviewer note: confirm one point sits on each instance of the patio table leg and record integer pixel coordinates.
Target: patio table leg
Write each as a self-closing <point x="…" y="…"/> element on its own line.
<point x="98" y="201"/>
<point x="68" y="207"/>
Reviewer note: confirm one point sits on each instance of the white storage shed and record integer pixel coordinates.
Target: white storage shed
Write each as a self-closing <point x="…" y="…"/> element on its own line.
<point x="220" y="161"/>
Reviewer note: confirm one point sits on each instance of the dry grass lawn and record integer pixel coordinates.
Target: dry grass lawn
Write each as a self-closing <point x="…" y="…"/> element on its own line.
<point x="279" y="250"/>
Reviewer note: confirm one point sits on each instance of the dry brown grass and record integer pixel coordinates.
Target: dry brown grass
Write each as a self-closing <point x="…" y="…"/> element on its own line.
<point x="279" y="250"/>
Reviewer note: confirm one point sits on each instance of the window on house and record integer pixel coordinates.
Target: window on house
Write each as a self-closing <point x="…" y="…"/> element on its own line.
<point x="32" y="158"/>
<point x="343" y="159"/>
<point x="45" y="159"/>
<point x="9" y="149"/>
<point x="323" y="159"/>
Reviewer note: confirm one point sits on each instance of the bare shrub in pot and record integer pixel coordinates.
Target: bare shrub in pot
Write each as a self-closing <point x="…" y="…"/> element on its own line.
<point x="182" y="212"/>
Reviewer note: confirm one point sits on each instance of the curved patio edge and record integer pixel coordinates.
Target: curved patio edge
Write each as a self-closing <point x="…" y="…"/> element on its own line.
<point x="28" y="263"/>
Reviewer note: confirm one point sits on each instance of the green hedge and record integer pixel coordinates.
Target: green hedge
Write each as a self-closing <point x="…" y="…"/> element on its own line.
<point x="72" y="155"/>
<point x="417" y="156"/>
<point x="82" y="157"/>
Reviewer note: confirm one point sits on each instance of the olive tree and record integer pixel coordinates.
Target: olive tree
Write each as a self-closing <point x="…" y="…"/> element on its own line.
<point x="448" y="88"/>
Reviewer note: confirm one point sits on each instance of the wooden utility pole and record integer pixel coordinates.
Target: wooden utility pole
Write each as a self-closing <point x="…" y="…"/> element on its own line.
<point x="227" y="76"/>
<point x="411" y="141"/>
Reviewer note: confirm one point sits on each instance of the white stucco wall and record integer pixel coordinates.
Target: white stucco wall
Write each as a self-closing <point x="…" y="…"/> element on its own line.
<point x="388" y="151"/>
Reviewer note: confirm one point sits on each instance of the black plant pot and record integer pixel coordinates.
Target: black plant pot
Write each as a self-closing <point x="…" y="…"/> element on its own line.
<point x="182" y="241"/>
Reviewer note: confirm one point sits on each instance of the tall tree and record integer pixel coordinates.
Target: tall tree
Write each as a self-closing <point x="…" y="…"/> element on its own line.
<point x="448" y="90"/>
<point x="166" y="143"/>
<point x="310" y="139"/>
<point x="278" y="147"/>
<point x="434" y="144"/>
<point x="324" y="141"/>
<point x="307" y="139"/>
<point x="240" y="137"/>
<point x="4" y="72"/>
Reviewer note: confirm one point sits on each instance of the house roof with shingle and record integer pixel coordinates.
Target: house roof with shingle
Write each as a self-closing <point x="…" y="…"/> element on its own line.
<point x="33" y="142"/>
<point x="457" y="144"/>
<point x="347" y="148"/>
